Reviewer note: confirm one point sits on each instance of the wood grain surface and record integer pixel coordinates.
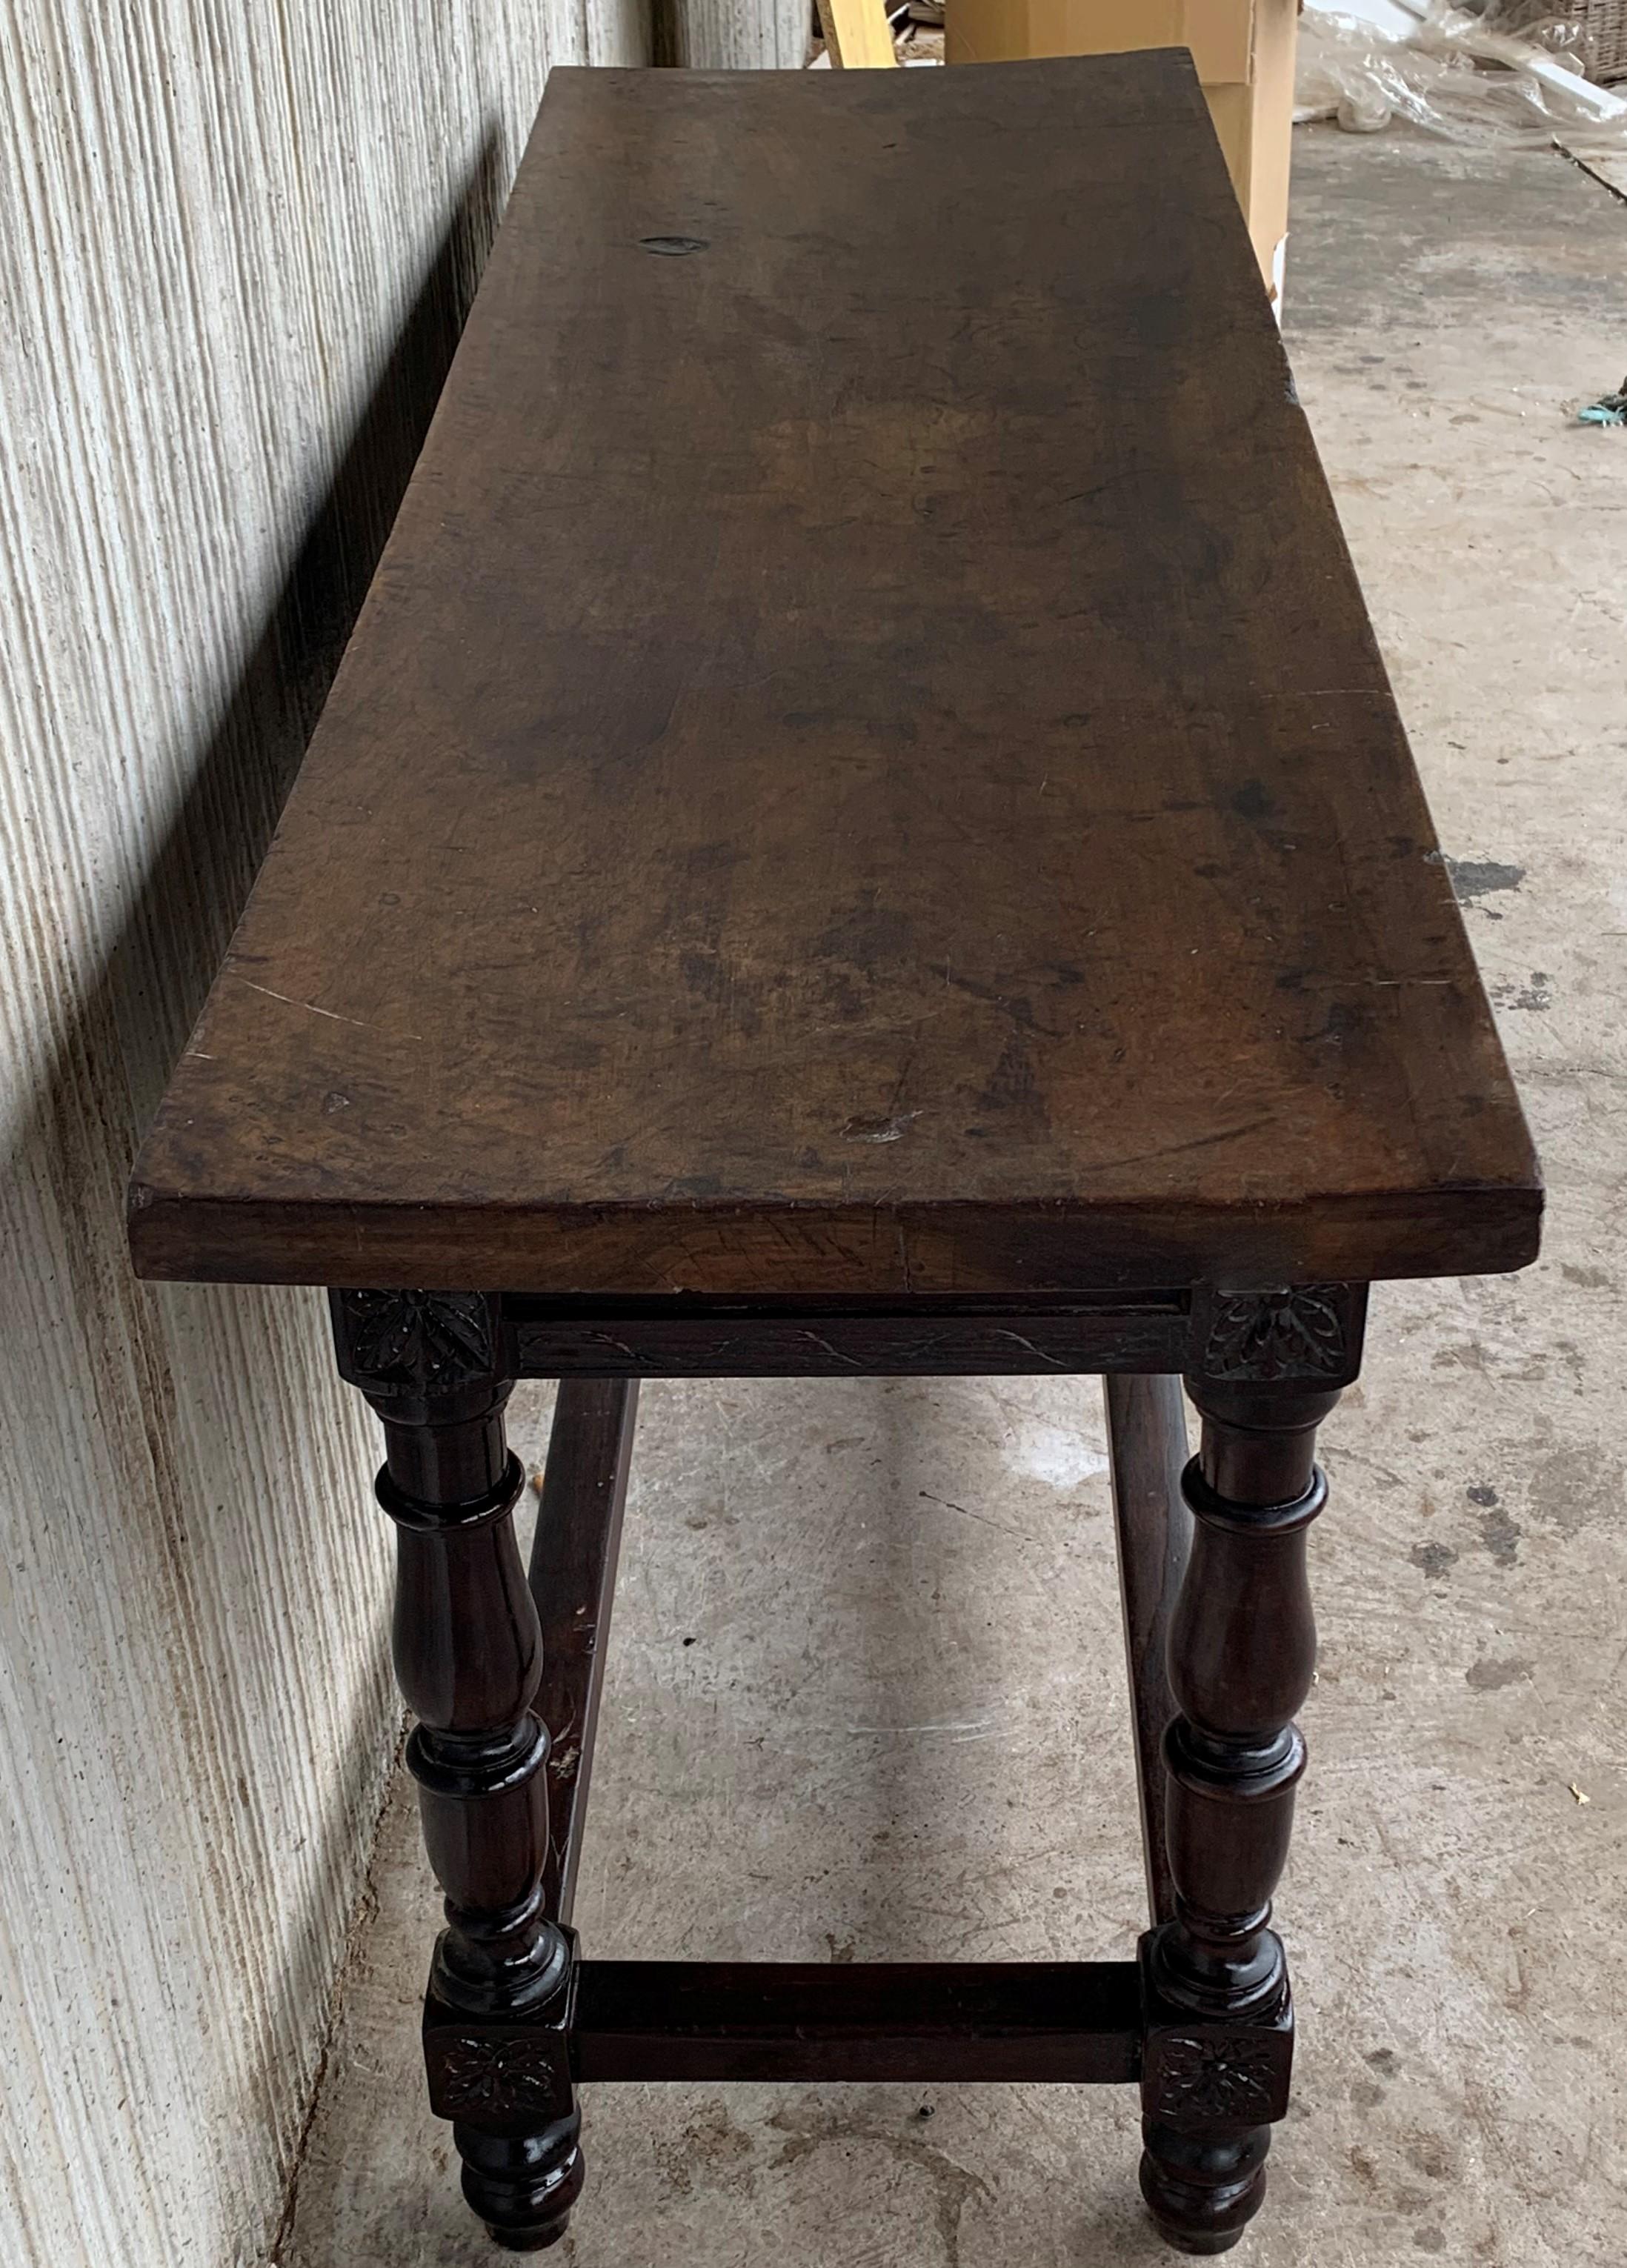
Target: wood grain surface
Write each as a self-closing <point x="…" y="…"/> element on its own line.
<point x="865" y="767"/>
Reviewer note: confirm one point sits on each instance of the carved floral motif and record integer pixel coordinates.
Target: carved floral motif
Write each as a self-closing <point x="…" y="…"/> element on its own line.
<point x="420" y="1339"/>
<point x="1261" y="1337"/>
<point x="1231" y="2080"/>
<point x="499" y="2077"/>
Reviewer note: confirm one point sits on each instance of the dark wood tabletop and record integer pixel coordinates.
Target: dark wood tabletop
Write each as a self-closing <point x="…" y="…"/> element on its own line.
<point x="864" y="769"/>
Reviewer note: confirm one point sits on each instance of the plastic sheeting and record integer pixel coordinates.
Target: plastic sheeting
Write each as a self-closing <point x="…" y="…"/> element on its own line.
<point x="1455" y="73"/>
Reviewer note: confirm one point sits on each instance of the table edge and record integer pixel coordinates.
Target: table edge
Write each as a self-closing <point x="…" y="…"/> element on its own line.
<point x="788" y="1249"/>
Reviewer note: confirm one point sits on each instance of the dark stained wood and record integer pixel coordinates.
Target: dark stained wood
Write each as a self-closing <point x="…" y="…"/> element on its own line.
<point x="513" y="2019"/>
<point x="1242" y="1646"/>
<point x="927" y="1335"/>
<point x="865" y="769"/>
<point x="1147" y="1440"/>
<point x="573" y="1561"/>
<point x="1312" y="1332"/>
<point x="922" y="2021"/>
<point x="1309" y="1332"/>
<point x="862" y="830"/>
<point x="468" y="1650"/>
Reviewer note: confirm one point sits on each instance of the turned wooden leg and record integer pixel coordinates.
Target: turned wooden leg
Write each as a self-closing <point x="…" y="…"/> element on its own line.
<point x="468" y="1656"/>
<point x="1242" y="1648"/>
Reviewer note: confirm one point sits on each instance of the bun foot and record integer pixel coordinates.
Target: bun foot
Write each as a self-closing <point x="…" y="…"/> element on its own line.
<point x="1203" y="2191"/>
<point x="524" y="2186"/>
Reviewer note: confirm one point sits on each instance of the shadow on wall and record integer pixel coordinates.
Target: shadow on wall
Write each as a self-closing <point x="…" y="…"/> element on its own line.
<point x="138" y="1014"/>
<point x="178" y="935"/>
<point x="185" y="1582"/>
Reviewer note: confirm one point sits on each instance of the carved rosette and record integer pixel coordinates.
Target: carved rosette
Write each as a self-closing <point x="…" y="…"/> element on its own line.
<point x="499" y="2078"/>
<point x="1224" y="2077"/>
<point x="1302" y="1332"/>
<point x="413" y="1342"/>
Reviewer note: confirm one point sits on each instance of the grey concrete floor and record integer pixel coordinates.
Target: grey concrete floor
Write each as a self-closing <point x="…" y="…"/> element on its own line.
<point x="865" y="1698"/>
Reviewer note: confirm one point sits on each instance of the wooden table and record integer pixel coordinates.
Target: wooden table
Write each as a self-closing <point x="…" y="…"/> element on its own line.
<point x="862" y="830"/>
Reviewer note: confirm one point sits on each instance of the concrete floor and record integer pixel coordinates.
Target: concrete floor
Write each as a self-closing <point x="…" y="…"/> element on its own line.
<point x="865" y="1698"/>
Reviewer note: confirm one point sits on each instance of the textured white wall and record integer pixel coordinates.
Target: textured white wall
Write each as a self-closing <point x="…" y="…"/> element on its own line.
<point x="238" y="242"/>
<point x="733" y="34"/>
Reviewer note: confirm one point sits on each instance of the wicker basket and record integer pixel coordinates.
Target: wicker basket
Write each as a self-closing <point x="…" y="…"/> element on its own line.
<point x="1603" y="26"/>
<point x="1600" y="47"/>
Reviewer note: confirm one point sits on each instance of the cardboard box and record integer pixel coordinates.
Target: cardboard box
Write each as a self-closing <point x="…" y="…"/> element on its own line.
<point x="1217" y="32"/>
<point x="1243" y="51"/>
